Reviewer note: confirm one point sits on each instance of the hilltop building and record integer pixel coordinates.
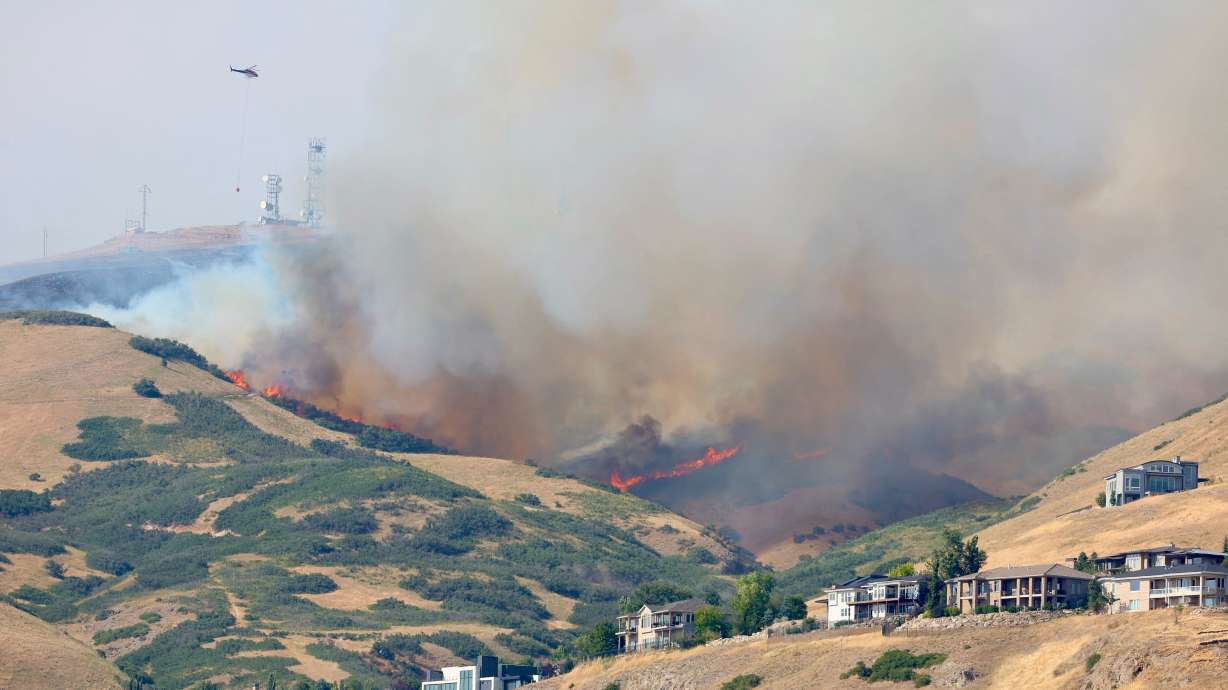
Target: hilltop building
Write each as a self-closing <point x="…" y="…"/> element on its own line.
<point x="1024" y="586"/>
<point x="1129" y="484"/>
<point x="487" y="674"/>
<point x="873" y="596"/>
<point x="1158" y="556"/>
<point x="1159" y="587"/>
<point x="657" y="627"/>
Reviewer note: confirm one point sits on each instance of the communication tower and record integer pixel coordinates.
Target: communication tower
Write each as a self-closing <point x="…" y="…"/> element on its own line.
<point x="270" y="206"/>
<point x="145" y="192"/>
<point x="313" y="203"/>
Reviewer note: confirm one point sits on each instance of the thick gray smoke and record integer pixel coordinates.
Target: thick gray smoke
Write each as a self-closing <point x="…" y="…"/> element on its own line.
<point x="964" y="238"/>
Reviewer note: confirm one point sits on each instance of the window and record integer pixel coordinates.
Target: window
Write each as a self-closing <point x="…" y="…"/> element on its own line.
<point x="1132" y="483"/>
<point x="1134" y="604"/>
<point x="1134" y="585"/>
<point x="466" y="679"/>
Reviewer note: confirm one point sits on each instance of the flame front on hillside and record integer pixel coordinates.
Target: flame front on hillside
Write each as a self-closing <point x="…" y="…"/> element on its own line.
<point x="236" y="377"/>
<point x="712" y="457"/>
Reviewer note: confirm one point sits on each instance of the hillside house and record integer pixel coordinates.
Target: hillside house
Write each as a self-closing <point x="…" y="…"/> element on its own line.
<point x="1159" y="587"/>
<point x="1024" y="586"/>
<point x="487" y="674"/>
<point x="1129" y="484"/>
<point x="1158" y="556"/>
<point x="657" y="627"/>
<point x="873" y="596"/>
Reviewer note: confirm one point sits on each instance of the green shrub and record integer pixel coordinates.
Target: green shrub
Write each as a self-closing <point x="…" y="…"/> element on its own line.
<point x="151" y="617"/>
<point x="742" y="682"/>
<point x="147" y="388"/>
<point x="987" y="608"/>
<point x="107" y="636"/>
<point x="173" y="349"/>
<point x="896" y="665"/>
<point x="1091" y="662"/>
<point x="393" y="441"/>
<point x="354" y="520"/>
<point x="37" y="543"/>
<point x="528" y="499"/>
<point x="311" y="583"/>
<point x="103" y="438"/>
<point x="51" y="317"/>
<point x="15" y="502"/>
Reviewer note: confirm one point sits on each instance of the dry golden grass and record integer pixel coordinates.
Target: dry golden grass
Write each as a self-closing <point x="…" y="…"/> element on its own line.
<point x="1052" y="530"/>
<point x="36" y="656"/>
<point x="559" y="606"/>
<point x="1045" y="655"/>
<point x="56" y="376"/>
<point x="271" y="419"/>
<point x="308" y="665"/>
<point x="359" y="587"/>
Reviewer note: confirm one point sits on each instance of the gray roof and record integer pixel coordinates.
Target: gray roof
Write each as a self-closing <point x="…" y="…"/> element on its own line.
<point x="1164" y="570"/>
<point x="863" y="580"/>
<point x="684" y="606"/>
<point x="1012" y="571"/>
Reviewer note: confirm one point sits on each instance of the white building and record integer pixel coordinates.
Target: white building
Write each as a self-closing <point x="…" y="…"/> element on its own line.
<point x="873" y="596"/>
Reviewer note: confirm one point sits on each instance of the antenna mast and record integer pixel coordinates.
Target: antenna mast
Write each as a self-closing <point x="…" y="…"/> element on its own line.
<point x="313" y="203"/>
<point x="145" y="192"/>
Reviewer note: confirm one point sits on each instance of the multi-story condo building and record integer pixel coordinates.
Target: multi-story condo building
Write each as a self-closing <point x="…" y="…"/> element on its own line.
<point x="1025" y="586"/>
<point x="657" y="627"/>
<point x="1157" y="556"/>
<point x="487" y="674"/>
<point x="1152" y="477"/>
<point x="1159" y="587"/>
<point x="873" y="596"/>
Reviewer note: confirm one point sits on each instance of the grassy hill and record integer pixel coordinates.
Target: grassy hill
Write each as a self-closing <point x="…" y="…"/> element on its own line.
<point x="209" y="534"/>
<point x="1063" y="518"/>
<point x="1142" y="650"/>
<point x="37" y="656"/>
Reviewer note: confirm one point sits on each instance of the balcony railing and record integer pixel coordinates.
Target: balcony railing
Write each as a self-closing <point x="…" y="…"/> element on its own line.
<point x="1178" y="591"/>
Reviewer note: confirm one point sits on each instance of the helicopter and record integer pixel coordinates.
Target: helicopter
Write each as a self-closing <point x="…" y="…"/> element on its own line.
<point x="249" y="72"/>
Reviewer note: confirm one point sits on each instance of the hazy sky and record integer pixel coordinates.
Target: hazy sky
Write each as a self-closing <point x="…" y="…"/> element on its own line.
<point x="97" y="99"/>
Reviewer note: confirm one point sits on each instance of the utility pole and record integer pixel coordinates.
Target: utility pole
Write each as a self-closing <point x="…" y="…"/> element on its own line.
<point x="145" y="192"/>
<point x="44" y="241"/>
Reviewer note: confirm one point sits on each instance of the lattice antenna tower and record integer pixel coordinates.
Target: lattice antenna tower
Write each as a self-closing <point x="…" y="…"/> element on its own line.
<point x="271" y="206"/>
<point x="313" y="203"/>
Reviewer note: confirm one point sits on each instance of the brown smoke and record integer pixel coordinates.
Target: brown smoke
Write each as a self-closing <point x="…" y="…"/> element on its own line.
<point x="948" y="237"/>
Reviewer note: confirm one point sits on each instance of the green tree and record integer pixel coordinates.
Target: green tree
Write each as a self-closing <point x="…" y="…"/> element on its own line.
<point x="713" y="597"/>
<point x="902" y="570"/>
<point x="1226" y="544"/>
<point x="710" y="623"/>
<point x="953" y="558"/>
<point x="1100" y="499"/>
<point x="1085" y="564"/>
<point x="794" y="608"/>
<point x="598" y="640"/>
<point x="752" y="604"/>
<point x="1097" y="597"/>
<point x="653" y="594"/>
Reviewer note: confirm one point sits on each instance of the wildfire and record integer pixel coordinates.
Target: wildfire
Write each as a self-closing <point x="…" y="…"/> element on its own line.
<point x="812" y="455"/>
<point x="273" y="391"/>
<point x="236" y="377"/>
<point x="682" y="469"/>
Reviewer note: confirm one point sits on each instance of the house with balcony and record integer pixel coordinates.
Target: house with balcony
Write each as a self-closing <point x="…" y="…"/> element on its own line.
<point x="1129" y="484"/>
<point x="1023" y="586"/>
<point x="657" y="627"/>
<point x="1156" y="556"/>
<point x="488" y="673"/>
<point x="873" y="596"/>
<point x="1160" y="587"/>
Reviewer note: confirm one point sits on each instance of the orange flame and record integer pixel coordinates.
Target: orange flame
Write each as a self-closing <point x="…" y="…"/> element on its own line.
<point x="236" y="377"/>
<point x="812" y="455"/>
<point x="712" y="457"/>
<point x="274" y="391"/>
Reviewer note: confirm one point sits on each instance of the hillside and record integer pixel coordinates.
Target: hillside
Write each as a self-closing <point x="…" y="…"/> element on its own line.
<point x="1064" y="519"/>
<point x="1143" y="650"/>
<point x="37" y="656"/>
<point x="210" y="534"/>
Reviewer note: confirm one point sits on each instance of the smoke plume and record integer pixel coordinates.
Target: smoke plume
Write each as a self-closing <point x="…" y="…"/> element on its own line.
<point x="969" y="241"/>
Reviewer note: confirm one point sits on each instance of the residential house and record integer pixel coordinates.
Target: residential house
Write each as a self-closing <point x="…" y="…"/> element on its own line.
<point x="1157" y="556"/>
<point x="1152" y="477"/>
<point x="487" y="674"/>
<point x="873" y="596"/>
<point x="1159" y="587"/>
<point x="1024" y="586"/>
<point x="657" y="627"/>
